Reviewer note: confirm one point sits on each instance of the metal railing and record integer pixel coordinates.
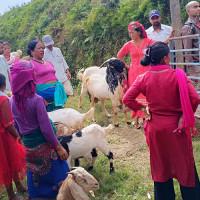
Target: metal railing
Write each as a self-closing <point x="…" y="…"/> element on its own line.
<point x="173" y="52"/>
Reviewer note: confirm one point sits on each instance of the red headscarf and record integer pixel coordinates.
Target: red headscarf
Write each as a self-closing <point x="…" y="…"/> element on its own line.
<point x="134" y="25"/>
<point x="23" y="83"/>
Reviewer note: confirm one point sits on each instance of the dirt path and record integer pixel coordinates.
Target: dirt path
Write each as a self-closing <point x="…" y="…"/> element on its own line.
<point x="129" y="145"/>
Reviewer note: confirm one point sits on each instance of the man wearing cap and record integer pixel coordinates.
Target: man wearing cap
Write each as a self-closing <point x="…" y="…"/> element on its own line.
<point x="55" y="56"/>
<point x="191" y="27"/>
<point x="158" y="31"/>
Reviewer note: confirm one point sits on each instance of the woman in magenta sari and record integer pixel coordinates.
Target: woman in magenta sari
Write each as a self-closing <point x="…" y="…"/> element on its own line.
<point x="136" y="48"/>
<point x="172" y="101"/>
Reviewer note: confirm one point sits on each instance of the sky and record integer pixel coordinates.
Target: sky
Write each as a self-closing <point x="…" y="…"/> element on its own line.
<point x="5" y="4"/>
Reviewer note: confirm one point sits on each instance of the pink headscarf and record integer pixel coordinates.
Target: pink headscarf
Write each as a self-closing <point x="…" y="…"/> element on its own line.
<point x="23" y="83"/>
<point x="134" y="25"/>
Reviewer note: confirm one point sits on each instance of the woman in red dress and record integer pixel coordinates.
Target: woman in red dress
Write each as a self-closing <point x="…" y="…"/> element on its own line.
<point x="172" y="101"/>
<point x="135" y="48"/>
<point x="12" y="154"/>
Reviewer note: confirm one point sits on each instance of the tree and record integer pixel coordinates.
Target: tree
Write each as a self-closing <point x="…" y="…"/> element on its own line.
<point x="177" y="25"/>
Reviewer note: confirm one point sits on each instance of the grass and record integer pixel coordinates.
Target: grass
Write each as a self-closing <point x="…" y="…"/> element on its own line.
<point x="130" y="181"/>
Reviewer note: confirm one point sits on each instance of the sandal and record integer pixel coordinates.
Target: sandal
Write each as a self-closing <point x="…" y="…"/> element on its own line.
<point x="137" y="126"/>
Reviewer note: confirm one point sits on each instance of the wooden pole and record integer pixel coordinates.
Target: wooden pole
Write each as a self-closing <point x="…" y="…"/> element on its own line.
<point x="177" y="25"/>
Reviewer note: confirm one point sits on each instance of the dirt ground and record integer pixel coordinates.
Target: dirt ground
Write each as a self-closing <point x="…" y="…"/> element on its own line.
<point x="129" y="145"/>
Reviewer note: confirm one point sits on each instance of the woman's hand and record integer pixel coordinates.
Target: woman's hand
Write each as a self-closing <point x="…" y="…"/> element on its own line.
<point x="180" y="122"/>
<point x="61" y="152"/>
<point x="146" y="112"/>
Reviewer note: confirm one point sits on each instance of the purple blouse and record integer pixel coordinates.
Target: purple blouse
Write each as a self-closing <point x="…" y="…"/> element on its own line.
<point x="36" y="116"/>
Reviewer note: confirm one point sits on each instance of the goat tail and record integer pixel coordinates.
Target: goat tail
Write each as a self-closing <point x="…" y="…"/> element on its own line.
<point x="108" y="128"/>
<point x="80" y="74"/>
<point x="89" y="114"/>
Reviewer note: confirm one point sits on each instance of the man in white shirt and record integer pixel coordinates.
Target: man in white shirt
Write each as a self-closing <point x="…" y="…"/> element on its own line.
<point x="4" y="68"/>
<point x="158" y="31"/>
<point x="55" y="56"/>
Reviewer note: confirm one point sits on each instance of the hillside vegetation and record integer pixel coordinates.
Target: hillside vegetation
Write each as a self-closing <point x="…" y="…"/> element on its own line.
<point x="87" y="31"/>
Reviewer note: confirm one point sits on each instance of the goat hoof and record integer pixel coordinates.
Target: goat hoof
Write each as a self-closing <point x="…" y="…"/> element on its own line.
<point x="112" y="170"/>
<point x="116" y="125"/>
<point x="90" y="168"/>
<point x="129" y="123"/>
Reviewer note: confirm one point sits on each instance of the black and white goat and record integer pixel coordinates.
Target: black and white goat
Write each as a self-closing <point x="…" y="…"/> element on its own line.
<point x="85" y="143"/>
<point x="107" y="87"/>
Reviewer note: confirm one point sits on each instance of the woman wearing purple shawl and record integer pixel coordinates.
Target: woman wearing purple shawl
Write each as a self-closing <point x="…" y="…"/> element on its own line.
<point x="172" y="101"/>
<point x="45" y="157"/>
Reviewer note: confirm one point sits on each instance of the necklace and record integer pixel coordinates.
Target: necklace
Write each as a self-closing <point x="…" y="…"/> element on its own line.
<point x="41" y="62"/>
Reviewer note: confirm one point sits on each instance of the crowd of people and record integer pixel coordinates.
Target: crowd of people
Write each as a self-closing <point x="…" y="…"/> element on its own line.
<point x="40" y="82"/>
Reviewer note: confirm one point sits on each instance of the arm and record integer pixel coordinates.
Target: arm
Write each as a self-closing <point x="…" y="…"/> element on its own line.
<point x="121" y="58"/>
<point x="187" y="43"/>
<point x="7" y="119"/>
<point x="131" y="95"/>
<point x="47" y="130"/>
<point x="122" y="53"/>
<point x="170" y="36"/>
<point x="65" y="65"/>
<point x="193" y="95"/>
<point x="44" y="123"/>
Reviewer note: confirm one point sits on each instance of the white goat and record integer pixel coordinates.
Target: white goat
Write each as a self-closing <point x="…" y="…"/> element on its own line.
<point x="107" y="87"/>
<point x="85" y="73"/>
<point x="70" y="118"/>
<point x="85" y="142"/>
<point x="75" y="186"/>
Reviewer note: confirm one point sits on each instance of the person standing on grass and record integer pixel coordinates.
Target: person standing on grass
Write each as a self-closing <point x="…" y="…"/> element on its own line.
<point x="46" y="159"/>
<point x="12" y="154"/>
<point x="172" y="101"/>
<point x="55" y="56"/>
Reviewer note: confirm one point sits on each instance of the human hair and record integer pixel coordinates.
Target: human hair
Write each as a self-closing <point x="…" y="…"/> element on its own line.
<point x="6" y="43"/>
<point x="139" y="29"/>
<point x="2" y="80"/>
<point x="31" y="46"/>
<point x="188" y="6"/>
<point x="1" y="42"/>
<point x="155" y="53"/>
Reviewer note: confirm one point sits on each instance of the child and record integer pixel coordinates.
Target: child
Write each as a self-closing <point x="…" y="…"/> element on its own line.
<point x="12" y="154"/>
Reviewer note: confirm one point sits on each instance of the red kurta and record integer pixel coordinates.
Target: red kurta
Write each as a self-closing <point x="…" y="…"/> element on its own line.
<point x="136" y="52"/>
<point x="171" y="155"/>
<point x="12" y="154"/>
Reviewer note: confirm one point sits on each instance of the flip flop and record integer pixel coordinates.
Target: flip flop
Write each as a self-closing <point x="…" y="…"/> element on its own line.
<point x="137" y="126"/>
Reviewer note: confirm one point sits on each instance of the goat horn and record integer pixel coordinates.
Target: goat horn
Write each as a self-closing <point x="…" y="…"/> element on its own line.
<point x="107" y="61"/>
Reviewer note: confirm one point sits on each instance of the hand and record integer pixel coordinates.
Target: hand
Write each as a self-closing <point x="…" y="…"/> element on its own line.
<point x="180" y="122"/>
<point x="46" y="103"/>
<point x="20" y="140"/>
<point x="147" y="114"/>
<point x="61" y="152"/>
<point x="195" y="80"/>
<point x="68" y="75"/>
<point x="171" y="34"/>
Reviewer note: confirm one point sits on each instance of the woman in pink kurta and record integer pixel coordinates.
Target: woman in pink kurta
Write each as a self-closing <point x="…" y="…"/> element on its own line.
<point x="135" y="48"/>
<point x="172" y="101"/>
